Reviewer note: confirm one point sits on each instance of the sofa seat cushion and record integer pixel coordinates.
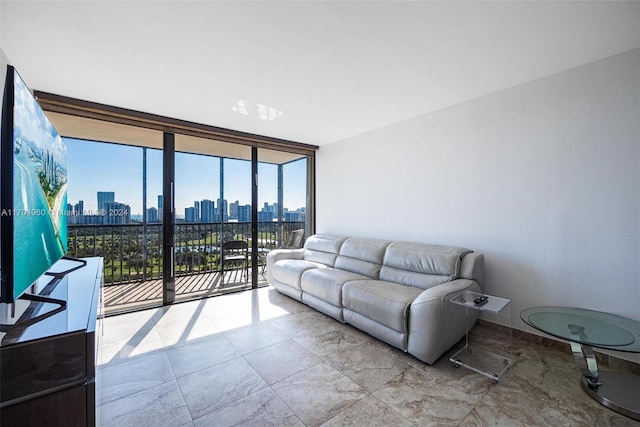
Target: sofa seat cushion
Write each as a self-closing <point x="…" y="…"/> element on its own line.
<point x="326" y="283"/>
<point x="386" y="303"/>
<point x="289" y="271"/>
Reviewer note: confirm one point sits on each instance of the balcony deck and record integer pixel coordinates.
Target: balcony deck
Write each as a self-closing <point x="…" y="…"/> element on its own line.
<point x="131" y="296"/>
<point x="126" y="247"/>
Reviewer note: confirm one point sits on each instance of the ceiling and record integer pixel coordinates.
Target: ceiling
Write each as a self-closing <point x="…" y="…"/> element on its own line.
<point x="312" y="72"/>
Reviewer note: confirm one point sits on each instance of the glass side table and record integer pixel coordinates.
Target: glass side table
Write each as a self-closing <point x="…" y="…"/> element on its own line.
<point x="476" y="358"/>
<point x="585" y="329"/>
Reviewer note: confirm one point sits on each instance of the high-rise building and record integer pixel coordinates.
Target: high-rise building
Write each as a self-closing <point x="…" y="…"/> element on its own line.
<point x="196" y="215"/>
<point x="152" y="215"/>
<point x="190" y="214"/>
<point x="244" y="213"/>
<point x="294" y="216"/>
<point x="160" y="205"/>
<point x="78" y="208"/>
<point x="50" y="169"/>
<point x="233" y="210"/>
<point x="222" y="204"/>
<point x="70" y="214"/>
<point x="207" y="211"/>
<point x="269" y="211"/>
<point x="265" y="216"/>
<point x="105" y="197"/>
<point x="117" y="213"/>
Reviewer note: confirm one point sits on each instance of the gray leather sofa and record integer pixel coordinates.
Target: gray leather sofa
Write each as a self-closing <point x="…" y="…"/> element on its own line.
<point x="397" y="292"/>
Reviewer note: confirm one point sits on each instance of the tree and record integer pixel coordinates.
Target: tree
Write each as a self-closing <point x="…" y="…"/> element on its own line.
<point x="137" y="264"/>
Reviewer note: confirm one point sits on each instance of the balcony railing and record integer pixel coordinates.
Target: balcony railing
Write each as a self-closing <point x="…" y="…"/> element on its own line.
<point x="133" y="252"/>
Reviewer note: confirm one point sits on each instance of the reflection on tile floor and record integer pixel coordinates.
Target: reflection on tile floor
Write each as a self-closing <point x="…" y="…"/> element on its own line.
<point x="260" y="358"/>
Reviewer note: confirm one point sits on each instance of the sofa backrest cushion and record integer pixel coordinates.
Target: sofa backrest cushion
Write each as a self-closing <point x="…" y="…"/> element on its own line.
<point x="421" y="265"/>
<point x="362" y="256"/>
<point x="323" y="248"/>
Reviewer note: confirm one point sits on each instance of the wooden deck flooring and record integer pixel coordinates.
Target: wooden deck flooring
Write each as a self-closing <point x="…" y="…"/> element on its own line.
<point x="131" y="296"/>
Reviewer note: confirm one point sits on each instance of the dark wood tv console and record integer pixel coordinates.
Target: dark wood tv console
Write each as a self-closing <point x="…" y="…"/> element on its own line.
<point x="48" y="369"/>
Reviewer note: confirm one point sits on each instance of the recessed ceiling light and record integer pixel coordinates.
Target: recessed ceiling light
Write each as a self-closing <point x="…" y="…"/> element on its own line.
<point x="242" y="107"/>
<point x="268" y="113"/>
<point x="264" y="111"/>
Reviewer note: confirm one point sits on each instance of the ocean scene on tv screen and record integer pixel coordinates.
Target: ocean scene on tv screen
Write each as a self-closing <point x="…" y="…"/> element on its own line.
<point x="40" y="190"/>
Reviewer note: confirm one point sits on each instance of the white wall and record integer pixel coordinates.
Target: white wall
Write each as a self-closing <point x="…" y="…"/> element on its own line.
<point x="543" y="178"/>
<point x="0" y="29"/>
<point x="3" y="75"/>
<point x="3" y="71"/>
<point x="3" y="61"/>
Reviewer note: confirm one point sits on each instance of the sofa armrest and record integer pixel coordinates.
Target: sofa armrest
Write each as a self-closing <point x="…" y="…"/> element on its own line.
<point x="446" y="290"/>
<point x="278" y="254"/>
<point x="472" y="268"/>
<point x="435" y="324"/>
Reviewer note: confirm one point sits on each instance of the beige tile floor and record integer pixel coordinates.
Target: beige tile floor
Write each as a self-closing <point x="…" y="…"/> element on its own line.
<point x="260" y="358"/>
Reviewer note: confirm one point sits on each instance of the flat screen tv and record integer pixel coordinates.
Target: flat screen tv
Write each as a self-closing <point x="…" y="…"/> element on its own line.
<point x="33" y="191"/>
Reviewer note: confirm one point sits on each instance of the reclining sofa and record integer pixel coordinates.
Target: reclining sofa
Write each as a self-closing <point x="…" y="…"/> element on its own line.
<point x="397" y="292"/>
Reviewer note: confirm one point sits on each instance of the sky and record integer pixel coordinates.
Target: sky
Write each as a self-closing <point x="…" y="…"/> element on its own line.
<point x="95" y="166"/>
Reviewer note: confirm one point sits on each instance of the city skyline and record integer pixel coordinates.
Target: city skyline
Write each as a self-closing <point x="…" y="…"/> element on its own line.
<point x="110" y="211"/>
<point x="104" y="167"/>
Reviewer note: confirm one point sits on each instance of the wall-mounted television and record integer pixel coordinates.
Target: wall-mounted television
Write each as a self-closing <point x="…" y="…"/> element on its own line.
<point x="33" y="191"/>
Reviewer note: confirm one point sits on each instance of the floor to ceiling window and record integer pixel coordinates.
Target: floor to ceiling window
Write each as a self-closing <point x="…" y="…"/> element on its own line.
<point x="202" y="187"/>
<point x="295" y="191"/>
<point x="110" y="215"/>
<point x="283" y="195"/>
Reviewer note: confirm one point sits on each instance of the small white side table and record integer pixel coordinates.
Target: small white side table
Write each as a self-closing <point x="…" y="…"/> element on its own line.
<point x="477" y="359"/>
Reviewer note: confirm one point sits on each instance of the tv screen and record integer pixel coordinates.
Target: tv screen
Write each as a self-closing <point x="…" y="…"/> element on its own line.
<point x="33" y="191"/>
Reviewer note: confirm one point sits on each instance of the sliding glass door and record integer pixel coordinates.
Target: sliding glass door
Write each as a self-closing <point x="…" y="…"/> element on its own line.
<point x="112" y="215"/>
<point x="212" y="206"/>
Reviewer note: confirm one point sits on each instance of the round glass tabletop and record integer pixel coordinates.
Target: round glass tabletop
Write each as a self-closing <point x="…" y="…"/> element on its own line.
<point x="588" y="327"/>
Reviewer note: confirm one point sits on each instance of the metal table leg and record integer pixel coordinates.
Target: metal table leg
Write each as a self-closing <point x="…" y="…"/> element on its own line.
<point x="615" y="390"/>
